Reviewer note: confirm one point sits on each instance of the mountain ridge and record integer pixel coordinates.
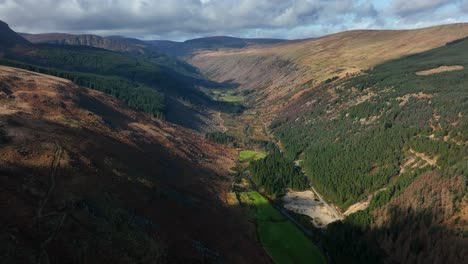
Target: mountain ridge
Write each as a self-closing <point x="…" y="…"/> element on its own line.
<point x="121" y="177"/>
<point x="125" y="44"/>
<point x="9" y="37"/>
<point x="277" y="71"/>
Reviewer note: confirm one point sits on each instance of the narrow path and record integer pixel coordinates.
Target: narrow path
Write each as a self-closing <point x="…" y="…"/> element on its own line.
<point x="221" y="123"/>
<point x="362" y="205"/>
<point x="52" y="173"/>
<point x="330" y="208"/>
<point x="53" y="169"/>
<point x="432" y="162"/>
<point x="51" y="237"/>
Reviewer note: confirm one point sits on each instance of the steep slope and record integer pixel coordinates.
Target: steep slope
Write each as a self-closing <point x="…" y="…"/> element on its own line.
<point x="9" y="38"/>
<point x="399" y="137"/>
<point x="158" y="85"/>
<point x="86" y="40"/>
<point x="279" y="72"/>
<point x="86" y="179"/>
<point x="130" y="46"/>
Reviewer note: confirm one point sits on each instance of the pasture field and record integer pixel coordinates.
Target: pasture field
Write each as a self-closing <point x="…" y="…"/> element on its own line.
<point x="282" y="240"/>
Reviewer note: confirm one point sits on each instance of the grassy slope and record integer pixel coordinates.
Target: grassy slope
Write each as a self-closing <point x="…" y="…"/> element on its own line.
<point x="281" y="239"/>
<point x="280" y="71"/>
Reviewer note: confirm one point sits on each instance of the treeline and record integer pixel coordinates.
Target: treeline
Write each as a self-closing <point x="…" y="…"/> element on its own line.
<point x="134" y="94"/>
<point x="275" y="173"/>
<point x="345" y="169"/>
<point x="395" y="188"/>
<point x="266" y="145"/>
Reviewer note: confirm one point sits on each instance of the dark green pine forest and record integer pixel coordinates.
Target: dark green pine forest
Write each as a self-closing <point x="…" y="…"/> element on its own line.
<point x="352" y="151"/>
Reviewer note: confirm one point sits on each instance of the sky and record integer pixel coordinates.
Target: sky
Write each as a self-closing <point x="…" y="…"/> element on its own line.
<point x="186" y="19"/>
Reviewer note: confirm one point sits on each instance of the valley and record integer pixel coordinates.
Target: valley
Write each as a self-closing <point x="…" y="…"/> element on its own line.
<point x="348" y="148"/>
<point x="364" y="136"/>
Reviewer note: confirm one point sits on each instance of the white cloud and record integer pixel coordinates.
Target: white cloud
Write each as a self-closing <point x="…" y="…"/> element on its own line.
<point x="180" y="19"/>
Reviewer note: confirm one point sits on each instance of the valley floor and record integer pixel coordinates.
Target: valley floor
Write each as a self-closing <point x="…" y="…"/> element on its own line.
<point x="283" y="236"/>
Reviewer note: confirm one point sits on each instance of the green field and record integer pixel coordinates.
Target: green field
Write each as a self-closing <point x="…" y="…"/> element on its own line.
<point x="283" y="242"/>
<point x="231" y="98"/>
<point x="246" y="155"/>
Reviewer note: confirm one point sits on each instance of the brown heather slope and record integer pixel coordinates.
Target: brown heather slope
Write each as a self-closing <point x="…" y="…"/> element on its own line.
<point x="281" y="71"/>
<point x="84" y="179"/>
<point x="423" y="223"/>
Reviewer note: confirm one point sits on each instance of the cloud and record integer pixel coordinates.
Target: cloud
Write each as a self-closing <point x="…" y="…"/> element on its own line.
<point x="404" y="8"/>
<point x="181" y="19"/>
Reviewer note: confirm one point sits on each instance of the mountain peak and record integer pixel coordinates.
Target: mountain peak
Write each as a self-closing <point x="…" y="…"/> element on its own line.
<point x="9" y="38"/>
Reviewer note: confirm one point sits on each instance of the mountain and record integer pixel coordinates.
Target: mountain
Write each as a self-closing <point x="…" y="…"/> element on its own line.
<point x="129" y="46"/>
<point x="85" y="40"/>
<point x="376" y="120"/>
<point x="136" y="46"/>
<point x="188" y="47"/>
<point x="9" y="38"/>
<point x="279" y="72"/>
<point x="84" y="178"/>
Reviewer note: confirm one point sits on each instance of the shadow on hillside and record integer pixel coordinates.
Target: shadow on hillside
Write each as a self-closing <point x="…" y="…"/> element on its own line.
<point x="408" y="237"/>
<point x="190" y="107"/>
<point x="115" y="202"/>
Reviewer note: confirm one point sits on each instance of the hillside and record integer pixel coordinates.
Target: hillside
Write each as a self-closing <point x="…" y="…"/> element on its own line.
<point x="377" y="121"/>
<point x="164" y="88"/>
<point x="279" y="72"/>
<point x="85" y="40"/>
<point x="129" y="46"/>
<point x="139" y="47"/>
<point x="86" y="179"/>
<point x="400" y="137"/>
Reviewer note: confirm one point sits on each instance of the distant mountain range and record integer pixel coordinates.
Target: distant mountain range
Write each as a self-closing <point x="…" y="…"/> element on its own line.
<point x="132" y="45"/>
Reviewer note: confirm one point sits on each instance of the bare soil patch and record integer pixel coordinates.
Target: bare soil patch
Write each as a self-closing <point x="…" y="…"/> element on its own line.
<point x="440" y="69"/>
<point x="307" y="203"/>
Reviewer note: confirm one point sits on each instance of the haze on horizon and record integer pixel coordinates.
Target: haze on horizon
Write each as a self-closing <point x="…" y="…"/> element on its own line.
<point x="186" y="19"/>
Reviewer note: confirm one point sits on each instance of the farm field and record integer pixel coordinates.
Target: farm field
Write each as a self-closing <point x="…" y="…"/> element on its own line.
<point x="283" y="241"/>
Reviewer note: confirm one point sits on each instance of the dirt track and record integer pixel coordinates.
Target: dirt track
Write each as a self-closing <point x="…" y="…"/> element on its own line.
<point x="53" y="169"/>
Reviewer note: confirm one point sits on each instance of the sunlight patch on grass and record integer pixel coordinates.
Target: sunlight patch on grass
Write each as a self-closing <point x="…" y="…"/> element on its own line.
<point x="246" y="155"/>
<point x="282" y="240"/>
